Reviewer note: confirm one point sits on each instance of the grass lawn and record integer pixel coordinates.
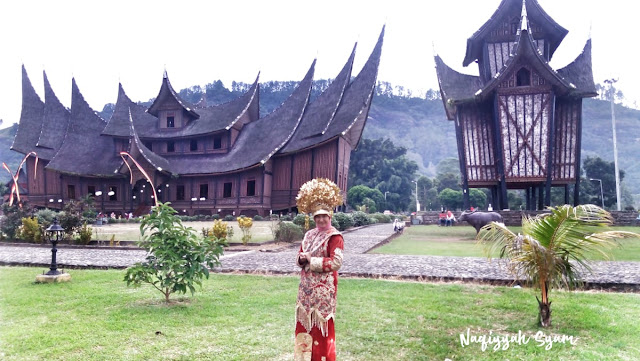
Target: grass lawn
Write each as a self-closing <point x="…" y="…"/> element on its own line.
<point x="460" y="241"/>
<point x="246" y="317"/>
<point x="260" y="231"/>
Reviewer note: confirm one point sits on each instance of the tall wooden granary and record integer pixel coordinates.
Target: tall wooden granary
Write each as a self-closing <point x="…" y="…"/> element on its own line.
<point x="519" y="122"/>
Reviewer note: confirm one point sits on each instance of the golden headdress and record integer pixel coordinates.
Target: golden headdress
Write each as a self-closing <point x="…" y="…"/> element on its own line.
<point x="318" y="196"/>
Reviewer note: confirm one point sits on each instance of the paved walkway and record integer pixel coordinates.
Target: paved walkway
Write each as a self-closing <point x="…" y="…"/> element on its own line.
<point x="610" y="275"/>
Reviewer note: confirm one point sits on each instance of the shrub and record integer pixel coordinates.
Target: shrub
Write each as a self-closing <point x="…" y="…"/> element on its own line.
<point x="300" y="218"/>
<point x="245" y="224"/>
<point x="219" y="229"/>
<point x="178" y="260"/>
<point x="70" y="218"/>
<point x="359" y="219"/>
<point x="229" y="218"/>
<point x="12" y="219"/>
<point x="381" y="218"/>
<point x="45" y="217"/>
<point x="373" y="220"/>
<point x="286" y="218"/>
<point x="215" y="217"/>
<point x="258" y="218"/>
<point x="344" y="221"/>
<point x="84" y="234"/>
<point x="288" y="232"/>
<point x="30" y="230"/>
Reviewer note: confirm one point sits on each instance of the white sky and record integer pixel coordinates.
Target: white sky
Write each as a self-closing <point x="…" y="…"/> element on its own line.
<point x="133" y="42"/>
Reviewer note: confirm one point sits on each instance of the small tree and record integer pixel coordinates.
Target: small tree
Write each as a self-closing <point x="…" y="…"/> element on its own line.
<point x="552" y="246"/>
<point x="178" y="259"/>
<point x="245" y="224"/>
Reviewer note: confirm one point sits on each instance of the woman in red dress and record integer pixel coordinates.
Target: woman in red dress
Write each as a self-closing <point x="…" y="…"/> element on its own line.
<point x="320" y="258"/>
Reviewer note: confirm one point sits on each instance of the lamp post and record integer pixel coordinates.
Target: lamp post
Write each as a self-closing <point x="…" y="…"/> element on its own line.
<point x="601" y="193"/>
<point x="417" y="201"/>
<point x="54" y="234"/>
<point x="615" y="143"/>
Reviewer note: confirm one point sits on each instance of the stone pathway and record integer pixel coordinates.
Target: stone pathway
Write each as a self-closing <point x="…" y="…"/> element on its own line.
<point x="610" y="275"/>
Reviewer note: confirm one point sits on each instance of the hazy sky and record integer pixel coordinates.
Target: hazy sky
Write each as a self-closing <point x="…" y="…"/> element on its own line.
<point x="133" y="42"/>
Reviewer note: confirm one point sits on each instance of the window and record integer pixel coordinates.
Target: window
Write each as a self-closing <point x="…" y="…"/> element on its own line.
<point x="251" y="187"/>
<point x="217" y="143"/>
<point x="180" y="193"/>
<point x="71" y="191"/>
<point x="91" y="190"/>
<point x="204" y="191"/>
<point x="171" y="123"/>
<point x="171" y="147"/>
<point x="193" y="145"/>
<point x="148" y="144"/>
<point x="228" y="187"/>
<point x="113" y="193"/>
<point x="523" y="78"/>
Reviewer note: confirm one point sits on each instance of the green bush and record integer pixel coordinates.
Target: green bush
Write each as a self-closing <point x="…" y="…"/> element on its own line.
<point x="45" y="217"/>
<point x="288" y="232"/>
<point x="381" y="218"/>
<point x="84" y="234"/>
<point x="30" y="230"/>
<point x="215" y="217"/>
<point x="258" y="217"/>
<point x="344" y="221"/>
<point x="286" y="218"/>
<point x="373" y="220"/>
<point x="229" y="218"/>
<point x="178" y="259"/>
<point x="12" y="219"/>
<point x="359" y="219"/>
<point x="299" y="220"/>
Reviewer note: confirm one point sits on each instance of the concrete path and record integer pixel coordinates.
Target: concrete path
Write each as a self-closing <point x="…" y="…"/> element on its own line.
<point x="609" y="275"/>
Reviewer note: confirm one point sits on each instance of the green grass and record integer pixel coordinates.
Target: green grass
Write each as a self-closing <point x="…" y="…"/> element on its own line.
<point x="243" y="317"/>
<point x="460" y="241"/>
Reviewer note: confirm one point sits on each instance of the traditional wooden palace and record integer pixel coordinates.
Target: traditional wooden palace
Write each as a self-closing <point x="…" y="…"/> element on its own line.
<point x="222" y="159"/>
<point x="518" y="124"/>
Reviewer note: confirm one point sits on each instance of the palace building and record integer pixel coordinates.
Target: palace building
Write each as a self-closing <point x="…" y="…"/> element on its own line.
<point x="222" y="159"/>
<point x="519" y="122"/>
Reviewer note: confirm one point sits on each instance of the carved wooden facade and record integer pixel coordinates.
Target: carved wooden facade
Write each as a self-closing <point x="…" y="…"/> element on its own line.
<point x="518" y="123"/>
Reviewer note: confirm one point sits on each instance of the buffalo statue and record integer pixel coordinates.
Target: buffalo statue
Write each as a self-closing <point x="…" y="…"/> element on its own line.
<point x="480" y="219"/>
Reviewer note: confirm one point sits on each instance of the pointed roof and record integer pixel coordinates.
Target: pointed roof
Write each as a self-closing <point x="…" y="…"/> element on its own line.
<point x="139" y="151"/>
<point x="30" y="123"/>
<point x="54" y="124"/>
<point x="322" y="111"/>
<point x="454" y="86"/>
<point x="166" y="91"/>
<point x="355" y="103"/>
<point x="506" y="11"/>
<point x="84" y="151"/>
<point x="526" y="52"/>
<point x="125" y="110"/>
<point x="580" y="73"/>
<point x="258" y="140"/>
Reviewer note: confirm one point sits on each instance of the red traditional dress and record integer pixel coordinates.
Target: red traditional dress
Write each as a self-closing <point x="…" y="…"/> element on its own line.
<point x="316" y="305"/>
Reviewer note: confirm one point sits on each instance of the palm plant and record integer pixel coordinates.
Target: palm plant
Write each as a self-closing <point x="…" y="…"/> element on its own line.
<point x="554" y="247"/>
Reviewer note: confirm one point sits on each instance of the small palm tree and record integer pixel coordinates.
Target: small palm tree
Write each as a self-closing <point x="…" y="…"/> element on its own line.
<point x="553" y="248"/>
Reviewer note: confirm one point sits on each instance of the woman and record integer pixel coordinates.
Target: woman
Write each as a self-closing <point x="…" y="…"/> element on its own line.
<point x="320" y="258"/>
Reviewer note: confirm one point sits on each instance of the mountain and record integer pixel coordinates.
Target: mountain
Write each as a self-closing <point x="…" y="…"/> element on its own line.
<point x="419" y="125"/>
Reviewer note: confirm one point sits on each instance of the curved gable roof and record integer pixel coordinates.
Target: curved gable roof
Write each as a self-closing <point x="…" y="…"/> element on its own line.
<point x="83" y="150"/>
<point x="527" y="51"/>
<point x="455" y="86"/>
<point x="508" y="9"/>
<point x="30" y="123"/>
<point x="125" y="110"/>
<point x="258" y="140"/>
<point x="54" y="125"/>
<point x="580" y="73"/>
<point x="166" y="91"/>
<point x="321" y="112"/>
<point x="137" y="147"/>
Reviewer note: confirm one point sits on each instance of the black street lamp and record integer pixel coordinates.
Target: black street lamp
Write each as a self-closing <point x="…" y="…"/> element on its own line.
<point x="54" y="235"/>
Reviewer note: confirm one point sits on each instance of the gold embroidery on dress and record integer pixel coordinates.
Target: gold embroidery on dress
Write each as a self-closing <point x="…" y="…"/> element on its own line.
<point x="302" y="348"/>
<point x="316" y="264"/>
